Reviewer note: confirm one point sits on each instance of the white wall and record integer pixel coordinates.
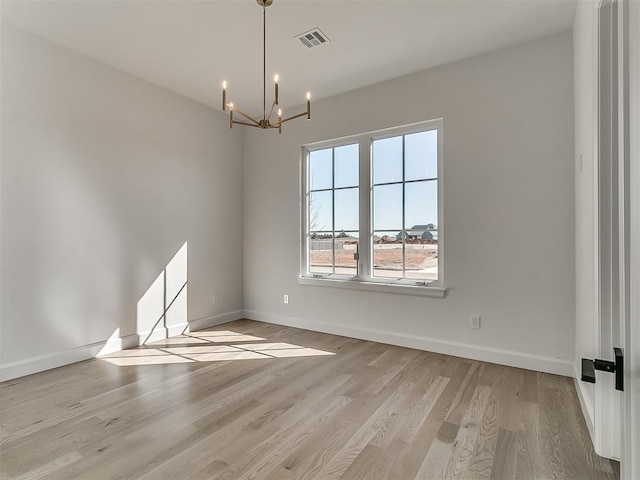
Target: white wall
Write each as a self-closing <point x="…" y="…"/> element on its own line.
<point x="509" y="211"/>
<point x="104" y="178"/>
<point x="585" y="90"/>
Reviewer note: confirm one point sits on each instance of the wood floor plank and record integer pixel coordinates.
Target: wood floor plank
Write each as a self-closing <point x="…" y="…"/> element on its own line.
<point x="317" y="407"/>
<point x="365" y="464"/>
<point x="463" y="447"/>
<point x="308" y="460"/>
<point x="343" y="458"/>
<point x="504" y="463"/>
<point x="434" y="464"/>
<point x="426" y="435"/>
<point x="266" y="455"/>
<point x="485" y="446"/>
<point x="550" y="429"/>
<point x="418" y="411"/>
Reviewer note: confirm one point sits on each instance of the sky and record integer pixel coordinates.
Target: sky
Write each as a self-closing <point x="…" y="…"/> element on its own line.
<point x="421" y="156"/>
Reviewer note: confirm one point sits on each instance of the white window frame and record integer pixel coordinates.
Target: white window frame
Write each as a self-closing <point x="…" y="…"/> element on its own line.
<point x="365" y="279"/>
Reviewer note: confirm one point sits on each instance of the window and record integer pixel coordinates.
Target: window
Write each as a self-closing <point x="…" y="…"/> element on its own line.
<point x="372" y="211"/>
<point x="333" y="210"/>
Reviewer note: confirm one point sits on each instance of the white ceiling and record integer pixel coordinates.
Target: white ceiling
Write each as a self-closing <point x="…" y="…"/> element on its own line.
<point x="189" y="47"/>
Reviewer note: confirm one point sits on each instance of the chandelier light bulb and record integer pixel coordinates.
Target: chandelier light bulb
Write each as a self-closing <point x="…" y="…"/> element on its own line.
<point x="224" y="95"/>
<point x="279" y="112"/>
<point x="308" y="96"/>
<point x="276" y="100"/>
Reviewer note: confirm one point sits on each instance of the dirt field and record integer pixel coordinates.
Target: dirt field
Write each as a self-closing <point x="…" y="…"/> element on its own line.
<point x="388" y="257"/>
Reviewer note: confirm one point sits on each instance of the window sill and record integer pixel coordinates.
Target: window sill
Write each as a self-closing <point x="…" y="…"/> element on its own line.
<point x="422" y="291"/>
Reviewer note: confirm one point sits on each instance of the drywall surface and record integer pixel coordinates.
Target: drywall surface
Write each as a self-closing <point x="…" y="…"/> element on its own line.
<point x="508" y="211"/>
<point x="586" y="324"/>
<point x="115" y="193"/>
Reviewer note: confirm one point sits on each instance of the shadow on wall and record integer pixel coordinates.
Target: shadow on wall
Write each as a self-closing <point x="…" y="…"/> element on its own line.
<point x="162" y="310"/>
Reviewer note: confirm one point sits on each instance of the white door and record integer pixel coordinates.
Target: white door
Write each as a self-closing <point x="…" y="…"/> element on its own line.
<point x="617" y="413"/>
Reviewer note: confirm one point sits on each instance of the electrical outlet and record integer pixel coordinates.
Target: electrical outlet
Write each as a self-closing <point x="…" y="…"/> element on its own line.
<point x="214" y="298"/>
<point x="475" y="321"/>
<point x="285" y="298"/>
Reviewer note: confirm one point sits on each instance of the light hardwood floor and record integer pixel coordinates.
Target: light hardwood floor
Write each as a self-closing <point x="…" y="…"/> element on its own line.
<point x="254" y="400"/>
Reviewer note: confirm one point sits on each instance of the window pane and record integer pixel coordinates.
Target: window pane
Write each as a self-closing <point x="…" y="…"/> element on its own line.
<point x="346" y="166"/>
<point x="347" y="209"/>
<point x="321" y="255"/>
<point x="387" y="207"/>
<point x="320" y="211"/>
<point x="320" y="252"/>
<point x="421" y="155"/>
<point x="421" y="207"/>
<point x="320" y="170"/>
<point x="387" y="254"/>
<point x="421" y="259"/>
<point x="346" y="247"/>
<point x="387" y="160"/>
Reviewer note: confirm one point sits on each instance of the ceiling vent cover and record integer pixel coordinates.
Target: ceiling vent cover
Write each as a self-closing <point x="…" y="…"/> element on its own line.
<point x="313" y="38"/>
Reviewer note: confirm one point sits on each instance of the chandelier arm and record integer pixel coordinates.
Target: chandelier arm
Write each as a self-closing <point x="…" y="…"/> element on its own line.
<point x="277" y="126"/>
<point x="273" y="105"/>
<point x="290" y="118"/>
<point x="237" y="110"/>
<point x="237" y="122"/>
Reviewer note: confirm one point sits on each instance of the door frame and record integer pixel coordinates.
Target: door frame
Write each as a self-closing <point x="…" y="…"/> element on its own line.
<point x="607" y="401"/>
<point x="629" y="199"/>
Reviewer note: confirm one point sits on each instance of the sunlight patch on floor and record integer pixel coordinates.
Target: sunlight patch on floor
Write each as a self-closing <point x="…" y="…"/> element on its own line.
<point x="181" y="340"/>
<point x="142" y="352"/>
<point x="200" y="349"/>
<point x="149" y="360"/>
<point x="269" y="346"/>
<point x="205" y="347"/>
<point x="225" y="337"/>
<point x="297" y="352"/>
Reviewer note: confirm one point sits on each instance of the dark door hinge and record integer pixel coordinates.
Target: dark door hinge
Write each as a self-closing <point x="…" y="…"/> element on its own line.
<point x="589" y="368"/>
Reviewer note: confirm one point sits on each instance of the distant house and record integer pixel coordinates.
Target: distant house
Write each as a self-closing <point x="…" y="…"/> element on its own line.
<point x="428" y="231"/>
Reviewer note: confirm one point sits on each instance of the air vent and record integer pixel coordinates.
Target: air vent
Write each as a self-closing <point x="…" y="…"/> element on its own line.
<point x="312" y="38"/>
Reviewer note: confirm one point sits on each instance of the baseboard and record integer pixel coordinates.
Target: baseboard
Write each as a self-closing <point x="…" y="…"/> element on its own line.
<point x="511" y="358"/>
<point x="137" y="339"/>
<point x="585" y="402"/>
<point x="41" y="363"/>
<point x="202" y="323"/>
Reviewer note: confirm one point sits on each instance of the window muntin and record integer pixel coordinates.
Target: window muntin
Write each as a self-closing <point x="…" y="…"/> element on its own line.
<point x="400" y="206"/>
<point x="332" y="210"/>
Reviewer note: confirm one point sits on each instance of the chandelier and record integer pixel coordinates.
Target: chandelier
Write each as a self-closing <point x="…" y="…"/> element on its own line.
<point x="266" y="121"/>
